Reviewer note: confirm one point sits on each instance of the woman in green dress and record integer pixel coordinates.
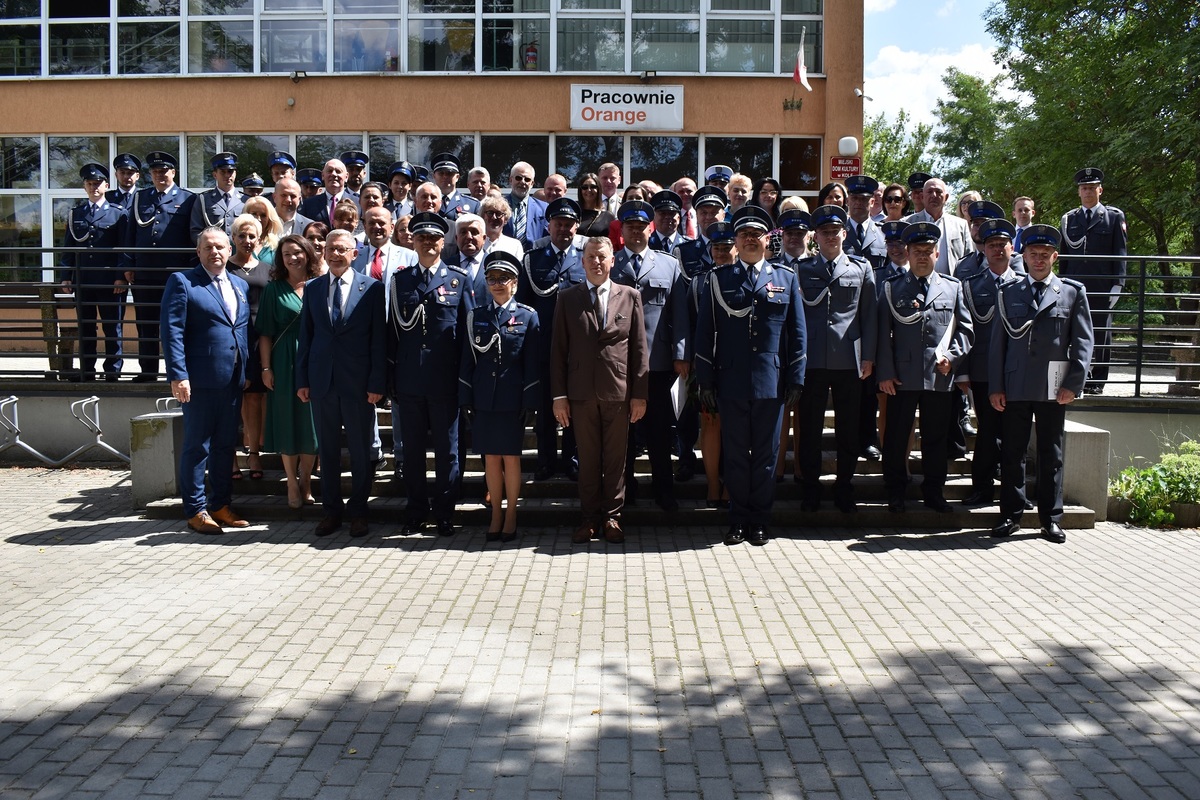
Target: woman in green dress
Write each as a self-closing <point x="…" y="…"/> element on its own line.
<point x="290" y="430"/>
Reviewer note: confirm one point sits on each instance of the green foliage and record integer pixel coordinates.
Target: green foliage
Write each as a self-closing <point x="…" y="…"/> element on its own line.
<point x="1151" y="490"/>
<point x="893" y="152"/>
<point x="968" y="125"/>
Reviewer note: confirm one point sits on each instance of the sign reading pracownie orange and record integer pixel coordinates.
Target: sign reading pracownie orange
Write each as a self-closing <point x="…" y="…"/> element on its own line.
<point x="626" y="107"/>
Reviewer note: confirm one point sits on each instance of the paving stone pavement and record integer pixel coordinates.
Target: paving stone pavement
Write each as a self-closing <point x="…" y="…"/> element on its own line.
<point x="139" y="660"/>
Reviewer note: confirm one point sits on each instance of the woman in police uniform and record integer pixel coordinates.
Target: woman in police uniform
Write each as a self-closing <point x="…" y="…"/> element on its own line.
<point x="498" y="382"/>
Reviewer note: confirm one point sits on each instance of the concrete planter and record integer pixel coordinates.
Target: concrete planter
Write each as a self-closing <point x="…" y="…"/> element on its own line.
<point x="1119" y="509"/>
<point x="1187" y="515"/>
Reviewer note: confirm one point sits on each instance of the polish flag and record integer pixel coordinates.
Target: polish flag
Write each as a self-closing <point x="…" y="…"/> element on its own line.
<point x="800" y="75"/>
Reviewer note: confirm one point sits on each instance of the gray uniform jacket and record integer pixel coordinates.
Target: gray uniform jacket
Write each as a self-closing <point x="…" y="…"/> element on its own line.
<point x="839" y="312"/>
<point x="917" y="328"/>
<point x="664" y="303"/>
<point x="981" y="294"/>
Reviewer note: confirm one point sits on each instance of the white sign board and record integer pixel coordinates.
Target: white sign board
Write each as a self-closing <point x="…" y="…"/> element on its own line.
<point x="626" y="107"/>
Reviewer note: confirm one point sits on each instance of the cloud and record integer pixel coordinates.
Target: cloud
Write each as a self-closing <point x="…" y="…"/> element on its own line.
<point x="912" y="80"/>
<point x="947" y="9"/>
<point x="878" y="6"/>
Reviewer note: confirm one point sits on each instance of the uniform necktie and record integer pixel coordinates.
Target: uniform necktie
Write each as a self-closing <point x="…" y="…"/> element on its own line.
<point x="425" y="277"/>
<point x="1039" y="290"/>
<point x="924" y="284"/>
<point x="829" y="268"/>
<point x="335" y="313"/>
<point x="636" y="261"/>
<point x="377" y="265"/>
<point x="562" y="254"/>
<point x="94" y="211"/>
<point x="519" y="220"/>
<point x="227" y="199"/>
<point x="1087" y="217"/>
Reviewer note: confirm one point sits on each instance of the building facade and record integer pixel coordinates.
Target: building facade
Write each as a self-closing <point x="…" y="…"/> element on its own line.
<point x="491" y="80"/>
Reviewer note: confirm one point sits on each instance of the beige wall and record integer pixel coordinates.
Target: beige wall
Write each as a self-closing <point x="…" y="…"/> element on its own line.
<point x="505" y="103"/>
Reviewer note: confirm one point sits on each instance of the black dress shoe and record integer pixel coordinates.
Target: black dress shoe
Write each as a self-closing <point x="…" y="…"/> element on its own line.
<point x="327" y="526"/>
<point x="111" y="377"/>
<point x="445" y="527"/>
<point x="685" y="473"/>
<point x="413" y="525"/>
<point x="1054" y="533"/>
<point x="757" y="536"/>
<point x="978" y="498"/>
<point x="896" y="505"/>
<point x="667" y="503"/>
<point x="358" y="527"/>
<point x="492" y="536"/>
<point x="1005" y="527"/>
<point x="543" y="473"/>
<point x="811" y="501"/>
<point x="508" y="537"/>
<point x="845" y="505"/>
<point x="736" y="535"/>
<point x="871" y="453"/>
<point x="572" y="472"/>
<point x="144" y="378"/>
<point x="378" y="464"/>
<point x="1028" y="504"/>
<point x="967" y="428"/>
<point x="938" y="504"/>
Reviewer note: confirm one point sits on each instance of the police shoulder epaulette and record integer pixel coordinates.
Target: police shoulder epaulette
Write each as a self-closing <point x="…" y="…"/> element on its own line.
<point x="722" y="266"/>
<point x="896" y="276"/>
<point x="950" y="278"/>
<point x="530" y="309"/>
<point x="1115" y="210"/>
<point x="785" y="267"/>
<point x="857" y="258"/>
<point x="457" y="268"/>
<point x="1072" y="283"/>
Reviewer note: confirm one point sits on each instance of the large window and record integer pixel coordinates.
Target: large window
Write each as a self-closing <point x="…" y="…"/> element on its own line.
<point x="150" y="37"/>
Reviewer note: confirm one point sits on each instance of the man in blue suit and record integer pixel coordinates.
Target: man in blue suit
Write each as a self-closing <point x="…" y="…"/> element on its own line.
<point x="528" y="223"/>
<point x="205" y="317"/>
<point x="319" y="207"/>
<point x="341" y="368"/>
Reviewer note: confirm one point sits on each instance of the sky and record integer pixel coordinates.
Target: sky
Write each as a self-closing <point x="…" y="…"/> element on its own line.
<point x="908" y="46"/>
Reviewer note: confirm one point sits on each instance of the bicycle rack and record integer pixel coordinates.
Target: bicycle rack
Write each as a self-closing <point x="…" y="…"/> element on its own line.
<point x="87" y="411"/>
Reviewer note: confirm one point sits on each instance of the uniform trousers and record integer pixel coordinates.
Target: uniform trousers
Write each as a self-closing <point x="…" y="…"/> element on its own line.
<point x="147" y="298"/>
<point x="547" y="433"/>
<point x="426" y="422"/>
<point x="602" y="436"/>
<point x="749" y="448"/>
<point x="987" y="441"/>
<point x="901" y="411"/>
<point x="95" y="302"/>
<point x="868" y="414"/>
<point x="332" y="413"/>
<point x="1102" y="306"/>
<point x="655" y="428"/>
<point x="846" y="388"/>
<point x="1018" y="419"/>
<point x="210" y="432"/>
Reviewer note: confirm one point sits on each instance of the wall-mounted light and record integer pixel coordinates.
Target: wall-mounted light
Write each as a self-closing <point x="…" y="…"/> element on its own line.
<point x="298" y="75"/>
<point x="647" y="74"/>
<point x="859" y="93"/>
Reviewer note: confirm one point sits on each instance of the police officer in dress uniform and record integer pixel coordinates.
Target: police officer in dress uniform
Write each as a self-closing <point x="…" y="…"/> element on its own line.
<point x="924" y="333"/>
<point x="400" y="181"/>
<point x="95" y="276"/>
<point x="428" y="319"/>
<point x="840" y="313"/>
<point x="750" y="350"/>
<point x="219" y="206"/>
<point x="795" y="233"/>
<point x="546" y="270"/>
<point x="657" y="277"/>
<point x="1037" y="365"/>
<point x="916" y="190"/>
<point x="128" y="169"/>
<point x="356" y="166"/>
<point x="1095" y="229"/>
<point x="455" y="201"/>
<point x="498" y="383"/>
<point x="160" y="217"/>
<point x="981" y="292"/>
<point x="863" y="237"/>
<point x="667" y="207"/>
<point x="309" y="179"/>
<point x="695" y="258"/>
<point x="718" y="175"/>
<point x="978" y="213"/>
<point x="282" y="165"/>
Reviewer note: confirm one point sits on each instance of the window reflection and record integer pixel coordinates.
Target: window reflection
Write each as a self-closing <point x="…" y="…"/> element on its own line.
<point x="741" y="45"/>
<point x="291" y="45"/>
<point x="575" y="155"/>
<point x="66" y="154"/>
<point x="422" y="147"/>
<point x="21" y="162"/>
<point x="499" y="153"/>
<point x="671" y="45"/>
<point x="221" y="46"/>
<point x="148" y="48"/>
<point x="591" y="45"/>
<point x="663" y="159"/>
<point x="441" y="45"/>
<point x="78" y="49"/>
<point x="800" y="163"/>
<point x="20" y="50"/>
<point x="750" y="156"/>
<point x="366" y="45"/>
<point x="21" y="226"/>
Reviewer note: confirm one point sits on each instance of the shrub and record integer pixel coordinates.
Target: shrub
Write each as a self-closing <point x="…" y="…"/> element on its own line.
<point x="1151" y="490"/>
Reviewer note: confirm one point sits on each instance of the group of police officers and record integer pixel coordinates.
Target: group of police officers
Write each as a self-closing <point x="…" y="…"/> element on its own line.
<point x="873" y="310"/>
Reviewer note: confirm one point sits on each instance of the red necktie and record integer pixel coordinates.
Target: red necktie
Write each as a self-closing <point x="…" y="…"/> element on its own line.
<point x="377" y="265"/>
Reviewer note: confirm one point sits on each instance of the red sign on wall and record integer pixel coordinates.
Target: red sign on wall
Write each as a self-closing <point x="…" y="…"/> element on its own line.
<point x="842" y="168"/>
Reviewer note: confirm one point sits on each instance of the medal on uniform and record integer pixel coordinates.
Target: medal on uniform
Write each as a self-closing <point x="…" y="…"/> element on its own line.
<point x="454" y="283"/>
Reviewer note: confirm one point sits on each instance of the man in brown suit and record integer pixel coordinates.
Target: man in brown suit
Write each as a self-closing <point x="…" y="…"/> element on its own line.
<point x="599" y="376"/>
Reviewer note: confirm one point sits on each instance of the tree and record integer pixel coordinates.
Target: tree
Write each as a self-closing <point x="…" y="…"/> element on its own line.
<point x="968" y="125"/>
<point x="892" y="152"/>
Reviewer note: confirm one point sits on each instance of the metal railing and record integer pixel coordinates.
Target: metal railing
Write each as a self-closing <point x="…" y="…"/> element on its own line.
<point x="1154" y="328"/>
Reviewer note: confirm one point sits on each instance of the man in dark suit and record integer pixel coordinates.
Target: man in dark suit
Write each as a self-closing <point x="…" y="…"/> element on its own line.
<point x="599" y="376"/>
<point x="427" y="323"/>
<point x="160" y="217"/>
<point x="664" y="306"/>
<point x="341" y="366"/>
<point x="319" y="207"/>
<point x="1095" y="229"/>
<point x="94" y="277"/>
<point x="205" y="318"/>
<point x="750" y="352"/>
<point x="1038" y="361"/>
<point x="528" y="222"/>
